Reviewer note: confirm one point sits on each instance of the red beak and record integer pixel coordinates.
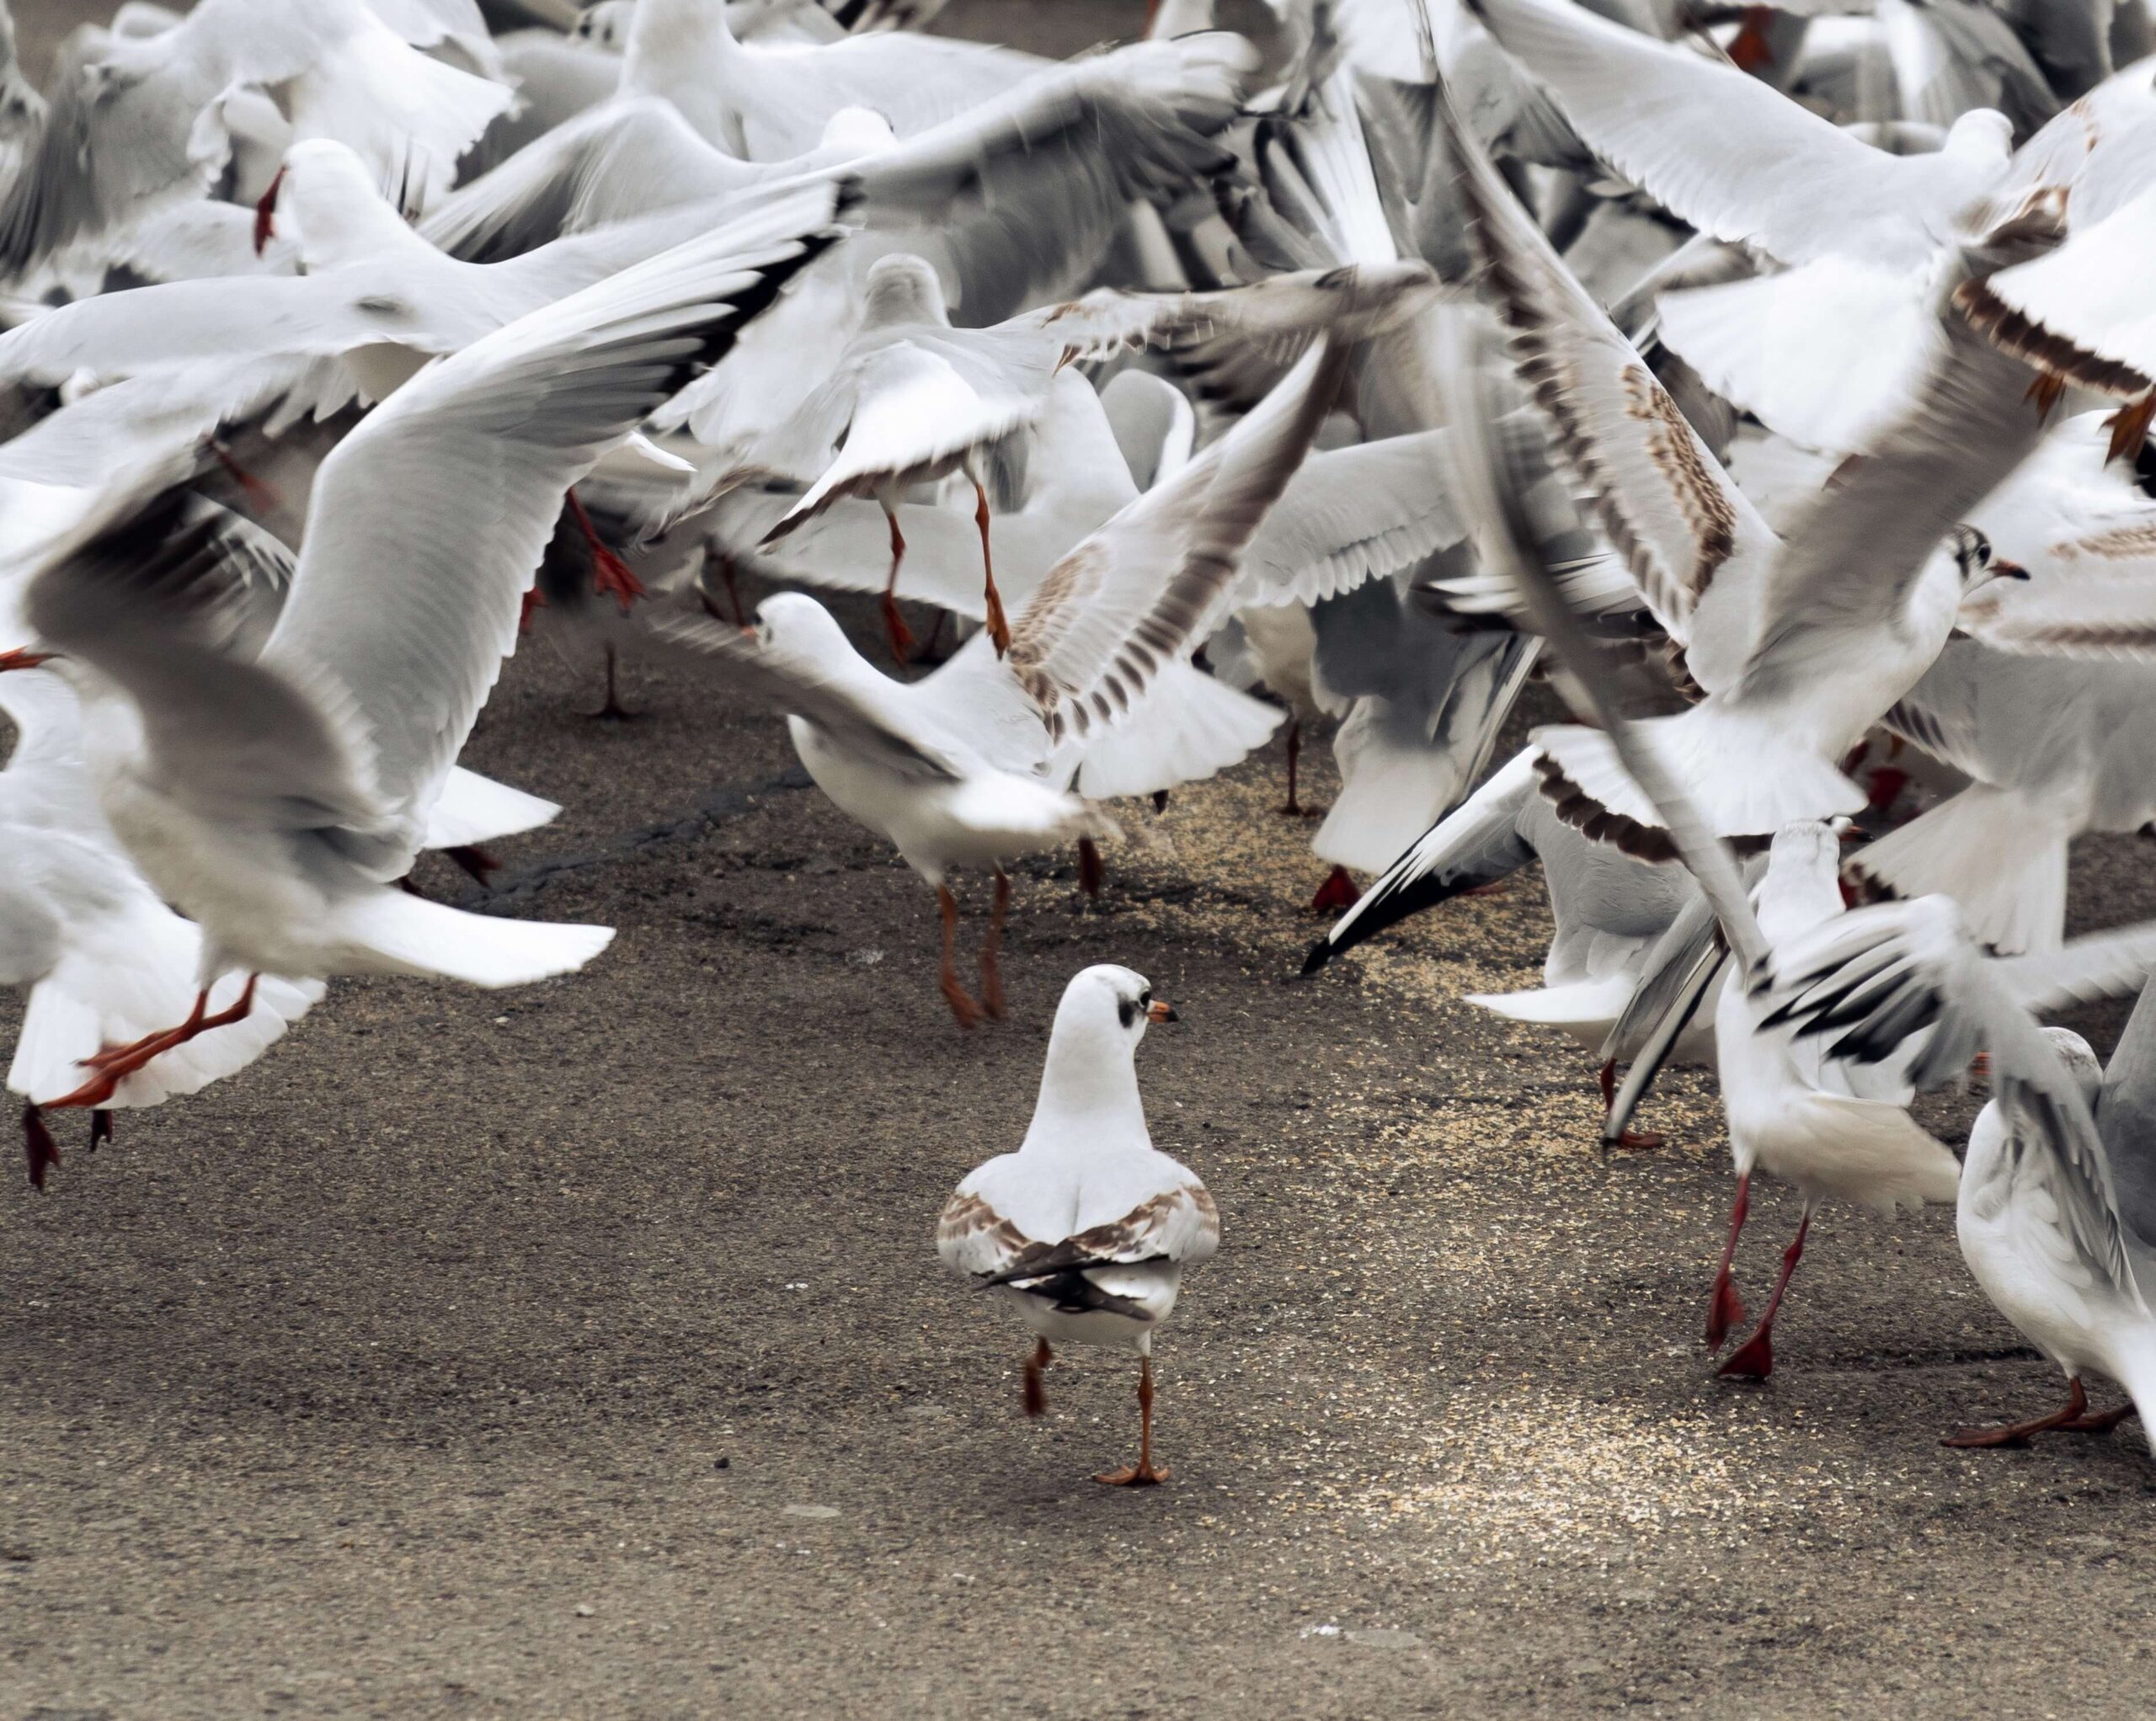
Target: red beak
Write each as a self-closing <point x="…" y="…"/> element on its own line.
<point x="24" y="659"/>
<point x="265" y="214"/>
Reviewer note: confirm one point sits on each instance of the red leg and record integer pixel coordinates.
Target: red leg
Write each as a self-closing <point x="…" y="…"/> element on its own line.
<point x="726" y="573"/>
<point x="534" y="598"/>
<point x="1091" y="870"/>
<point x="1754" y="1359"/>
<point x="260" y="494"/>
<point x="999" y="629"/>
<point x="895" y="631"/>
<point x="2046" y="391"/>
<point x="612" y="711"/>
<point x="1033" y="1395"/>
<point x="954" y="994"/>
<point x="1337" y="892"/>
<point x="1144" y="1474"/>
<point x="610" y="574"/>
<point x="1293" y="809"/>
<point x="2100" y="1421"/>
<point x="478" y="865"/>
<point x="2016" y="1434"/>
<point x="39" y="1147"/>
<point x="1629" y="1139"/>
<point x="116" y="1064"/>
<point x="1725" y="1308"/>
<point x="991" y="949"/>
<point x="1749" y="49"/>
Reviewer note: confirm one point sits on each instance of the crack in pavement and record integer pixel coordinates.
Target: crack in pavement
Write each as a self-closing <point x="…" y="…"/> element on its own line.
<point x="519" y="885"/>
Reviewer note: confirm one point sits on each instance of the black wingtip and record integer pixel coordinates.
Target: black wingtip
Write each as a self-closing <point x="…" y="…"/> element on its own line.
<point x="1316" y="958"/>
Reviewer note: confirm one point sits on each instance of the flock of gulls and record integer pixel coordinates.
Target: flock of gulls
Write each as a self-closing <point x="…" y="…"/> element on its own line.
<point x="1772" y="381"/>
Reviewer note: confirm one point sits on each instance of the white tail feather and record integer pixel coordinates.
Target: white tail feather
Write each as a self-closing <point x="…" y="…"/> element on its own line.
<point x="133" y="974"/>
<point x="407" y="935"/>
<point x="475" y="809"/>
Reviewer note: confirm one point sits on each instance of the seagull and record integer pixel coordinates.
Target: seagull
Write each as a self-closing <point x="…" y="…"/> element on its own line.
<point x="1017" y="200"/>
<point x="2074" y="314"/>
<point x="1801" y="643"/>
<point x="276" y="798"/>
<point x="103" y="960"/>
<point x="769" y="101"/>
<point x="2053" y="1211"/>
<point x="1086" y="1230"/>
<point x="957" y="769"/>
<point x="139" y="122"/>
<point x="1831" y="1123"/>
<point x="912" y="400"/>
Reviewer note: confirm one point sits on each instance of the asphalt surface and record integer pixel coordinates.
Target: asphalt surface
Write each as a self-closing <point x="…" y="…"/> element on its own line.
<point x="582" y="1351"/>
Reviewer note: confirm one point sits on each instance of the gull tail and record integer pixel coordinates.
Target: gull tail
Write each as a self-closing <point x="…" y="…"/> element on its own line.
<point x="1186" y="726"/>
<point x="135" y="974"/>
<point x="409" y="935"/>
<point x="1747" y="778"/>
<point x="476" y="809"/>
<point x="2000" y="854"/>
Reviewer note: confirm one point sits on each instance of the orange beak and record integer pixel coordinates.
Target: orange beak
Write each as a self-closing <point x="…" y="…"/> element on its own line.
<point x="1160" y="1010"/>
<point x="24" y="659"/>
<point x="265" y="213"/>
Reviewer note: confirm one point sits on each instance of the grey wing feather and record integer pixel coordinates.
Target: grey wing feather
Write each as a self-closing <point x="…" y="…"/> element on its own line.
<point x="1351" y="514"/>
<point x="429" y="520"/>
<point x="797" y="687"/>
<point x="152" y="600"/>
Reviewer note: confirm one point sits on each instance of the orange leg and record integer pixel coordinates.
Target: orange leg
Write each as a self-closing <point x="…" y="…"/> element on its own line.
<point x="116" y="1064"/>
<point x="1609" y="1078"/>
<point x="895" y="630"/>
<point x="991" y="949"/>
<point x="1754" y="1359"/>
<point x="999" y="629"/>
<point x="1033" y="1394"/>
<point x="2046" y="391"/>
<point x="1144" y="1474"/>
<point x="954" y="993"/>
<point x="610" y="574"/>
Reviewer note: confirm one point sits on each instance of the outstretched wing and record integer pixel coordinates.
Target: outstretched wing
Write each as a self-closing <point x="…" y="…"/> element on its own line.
<point x="1144" y="587"/>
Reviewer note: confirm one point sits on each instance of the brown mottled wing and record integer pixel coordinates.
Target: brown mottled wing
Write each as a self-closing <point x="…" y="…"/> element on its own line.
<point x="1695" y="546"/>
<point x="2092" y="615"/>
<point x="1280" y="312"/>
<point x="1147" y="586"/>
<point x="971" y="1237"/>
<point x="1180" y="1224"/>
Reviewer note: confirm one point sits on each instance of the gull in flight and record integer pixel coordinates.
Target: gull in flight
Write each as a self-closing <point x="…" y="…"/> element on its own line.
<point x="276" y="798"/>
<point x="1084" y="1231"/>
<point x="104" y="961"/>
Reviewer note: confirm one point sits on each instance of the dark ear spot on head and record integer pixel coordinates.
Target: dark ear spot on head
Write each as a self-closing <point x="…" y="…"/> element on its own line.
<point x="1127" y="1010"/>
